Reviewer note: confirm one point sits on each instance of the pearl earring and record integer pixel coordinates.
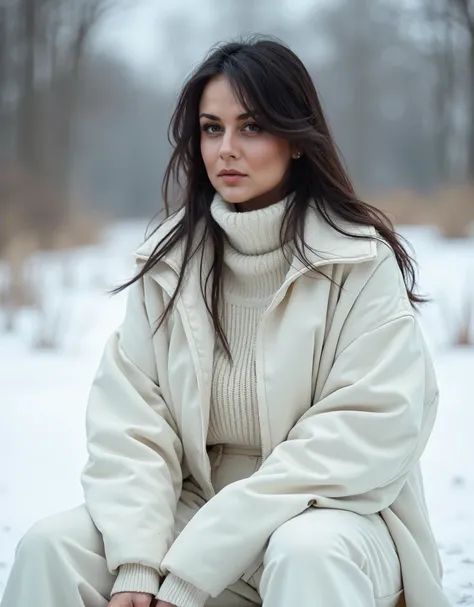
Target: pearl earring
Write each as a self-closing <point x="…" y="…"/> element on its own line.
<point x="297" y="156"/>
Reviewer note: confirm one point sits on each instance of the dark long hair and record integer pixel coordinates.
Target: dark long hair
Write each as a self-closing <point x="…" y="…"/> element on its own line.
<point x="272" y="84"/>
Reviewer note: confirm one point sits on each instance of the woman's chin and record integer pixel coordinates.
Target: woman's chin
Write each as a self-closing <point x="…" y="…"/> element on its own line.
<point x="234" y="195"/>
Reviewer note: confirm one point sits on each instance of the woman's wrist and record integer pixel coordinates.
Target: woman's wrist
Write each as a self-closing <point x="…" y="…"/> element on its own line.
<point x="133" y="577"/>
<point x="178" y="592"/>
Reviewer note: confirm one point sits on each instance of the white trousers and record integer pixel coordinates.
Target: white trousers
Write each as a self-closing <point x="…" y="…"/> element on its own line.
<point x="321" y="558"/>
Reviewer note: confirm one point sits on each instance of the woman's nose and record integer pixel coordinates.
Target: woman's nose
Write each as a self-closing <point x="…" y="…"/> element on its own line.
<point x="229" y="146"/>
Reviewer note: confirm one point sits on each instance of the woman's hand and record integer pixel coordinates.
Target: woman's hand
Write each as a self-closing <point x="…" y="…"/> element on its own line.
<point x="132" y="599"/>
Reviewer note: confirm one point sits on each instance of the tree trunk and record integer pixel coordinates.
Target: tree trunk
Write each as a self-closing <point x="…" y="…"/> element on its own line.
<point x="3" y="51"/>
<point x="470" y="157"/>
<point x="359" y="62"/>
<point x="27" y="131"/>
<point x="444" y="100"/>
<point x="66" y="99"/>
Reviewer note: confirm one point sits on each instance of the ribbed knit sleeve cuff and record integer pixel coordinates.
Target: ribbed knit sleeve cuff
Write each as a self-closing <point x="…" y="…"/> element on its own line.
<point x="176" y="591"/>
<point x="137" y="578"/>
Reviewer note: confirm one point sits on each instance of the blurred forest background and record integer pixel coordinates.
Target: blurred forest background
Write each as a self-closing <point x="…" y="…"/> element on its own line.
<point x="84" y="107"/>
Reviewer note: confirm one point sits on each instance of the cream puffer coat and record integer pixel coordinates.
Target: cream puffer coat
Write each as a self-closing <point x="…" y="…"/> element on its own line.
<point x="347" y="399"/>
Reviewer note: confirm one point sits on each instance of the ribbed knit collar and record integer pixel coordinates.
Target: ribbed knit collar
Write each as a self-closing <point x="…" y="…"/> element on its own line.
<point x="250" y="232"/>
<point x="255" y="261"/>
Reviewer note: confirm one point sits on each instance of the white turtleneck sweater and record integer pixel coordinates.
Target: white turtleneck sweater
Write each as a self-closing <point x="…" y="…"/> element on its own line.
<point x="254" y="268"/>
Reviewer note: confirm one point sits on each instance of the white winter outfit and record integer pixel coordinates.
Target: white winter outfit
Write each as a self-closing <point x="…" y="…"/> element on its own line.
<point x="330" y="512"/>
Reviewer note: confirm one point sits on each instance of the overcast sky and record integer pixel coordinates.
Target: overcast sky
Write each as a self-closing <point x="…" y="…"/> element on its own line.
<point x="133" y="33"/>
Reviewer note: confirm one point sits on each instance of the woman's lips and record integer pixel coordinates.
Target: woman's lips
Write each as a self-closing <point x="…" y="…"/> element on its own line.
<point x="231" y="178"/>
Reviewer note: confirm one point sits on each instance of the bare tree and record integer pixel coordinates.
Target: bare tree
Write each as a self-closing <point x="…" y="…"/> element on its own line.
<point x="43" y="51"/>
<point x="465" y="11"/>
<point x="356" y="86"/>
<point x="65" y="87"/>
<point x="360" y="58"/>
<point x="442" y="52"/>
<point x="3" y="50"/>
<point x="27" y="108"/>
<point x="451" y="25"/>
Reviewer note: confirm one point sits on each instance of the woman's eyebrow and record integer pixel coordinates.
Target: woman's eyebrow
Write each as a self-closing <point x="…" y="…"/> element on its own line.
<point x="212" y="117"/>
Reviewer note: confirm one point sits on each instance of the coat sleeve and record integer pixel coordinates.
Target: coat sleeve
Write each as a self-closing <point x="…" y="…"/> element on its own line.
<point x="132" y="479"/>
<point x="353" y="449"/>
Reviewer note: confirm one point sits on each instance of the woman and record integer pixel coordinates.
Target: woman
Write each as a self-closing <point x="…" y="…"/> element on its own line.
<point x="255" y="427"/>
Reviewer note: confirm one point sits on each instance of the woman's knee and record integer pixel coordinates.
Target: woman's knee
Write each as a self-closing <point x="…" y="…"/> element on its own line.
<point x="41" y="536"/>
<point x="328" y="545"/>
<point x="317" y="535"/>
<point x="53" y="534"/>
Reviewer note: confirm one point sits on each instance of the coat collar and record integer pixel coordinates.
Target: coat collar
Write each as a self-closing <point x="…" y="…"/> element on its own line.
<point x="327" y="244"/>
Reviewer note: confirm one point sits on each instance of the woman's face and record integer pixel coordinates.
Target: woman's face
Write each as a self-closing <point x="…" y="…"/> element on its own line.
<point x="256" y="162"/>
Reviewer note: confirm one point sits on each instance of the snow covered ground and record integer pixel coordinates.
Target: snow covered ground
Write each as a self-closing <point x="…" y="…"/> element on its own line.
<point x="43" y="392"/>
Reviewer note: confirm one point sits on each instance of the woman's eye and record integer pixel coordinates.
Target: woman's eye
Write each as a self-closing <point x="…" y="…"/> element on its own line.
<point x="212" y="129"/>
<point x="252" y="127"/>
<point x="215" y="129"/>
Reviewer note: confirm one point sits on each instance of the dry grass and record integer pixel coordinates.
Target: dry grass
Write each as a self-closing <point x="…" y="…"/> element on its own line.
<point x="454" y="212"/>
<point x="35" y="213"/>
<point x="82" y="228"/>
<point x="451" y="210"/>
<point x="33" y="217"/>
<point x="459" y="323"/>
